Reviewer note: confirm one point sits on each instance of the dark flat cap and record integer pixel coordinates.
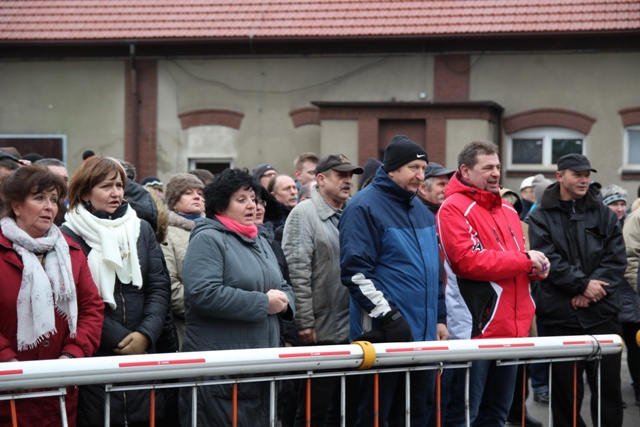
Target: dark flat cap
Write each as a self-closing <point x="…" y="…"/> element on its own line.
<point x="436" y="169"/>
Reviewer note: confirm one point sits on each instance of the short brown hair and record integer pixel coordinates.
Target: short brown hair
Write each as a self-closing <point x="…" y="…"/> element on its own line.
<point x="27" y="180"/>
<point x="305" y="157"/>
<point x="469" y="154"/>
<point x="92" y="172"/>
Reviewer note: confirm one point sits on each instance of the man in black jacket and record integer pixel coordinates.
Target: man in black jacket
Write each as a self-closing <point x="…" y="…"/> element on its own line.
<point x="583" y="240"/>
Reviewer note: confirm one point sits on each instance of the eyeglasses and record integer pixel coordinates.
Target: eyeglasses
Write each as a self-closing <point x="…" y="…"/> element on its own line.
<point x="261" y="202"/>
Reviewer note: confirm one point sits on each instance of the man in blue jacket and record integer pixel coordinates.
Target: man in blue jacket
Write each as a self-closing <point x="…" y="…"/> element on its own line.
<point x="389" y="261"/>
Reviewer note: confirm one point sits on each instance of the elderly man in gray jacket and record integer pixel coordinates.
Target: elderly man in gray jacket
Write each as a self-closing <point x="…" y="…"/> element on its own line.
<point x="311" y="245"/>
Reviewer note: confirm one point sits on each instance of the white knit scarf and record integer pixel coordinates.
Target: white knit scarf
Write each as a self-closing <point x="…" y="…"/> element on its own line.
<point x="113" y="248"/>
<point x="42" y="289"/>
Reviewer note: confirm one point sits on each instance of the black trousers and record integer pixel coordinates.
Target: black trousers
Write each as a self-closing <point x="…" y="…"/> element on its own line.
<point x="629" y="331"/>
<point x="562" y="395"/>
<point x="325" y="402"/>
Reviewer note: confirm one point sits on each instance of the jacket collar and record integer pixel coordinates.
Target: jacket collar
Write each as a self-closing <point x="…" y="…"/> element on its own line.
<point x="324" y="209"/>
<point x="551" y="198"/>
<point x="484" y="198"/>
<point x="382" y="181"/>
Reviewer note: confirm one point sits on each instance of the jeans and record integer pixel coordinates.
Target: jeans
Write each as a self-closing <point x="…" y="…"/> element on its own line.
<point x="491" y="390"/>
<point x="539" y="372"/>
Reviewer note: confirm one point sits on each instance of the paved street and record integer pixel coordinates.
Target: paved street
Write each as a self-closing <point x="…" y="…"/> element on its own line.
<point x="631" y="414"/>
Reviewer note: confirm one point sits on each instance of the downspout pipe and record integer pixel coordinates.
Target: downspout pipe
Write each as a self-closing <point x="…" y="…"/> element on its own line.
<point x="134" y="113"/>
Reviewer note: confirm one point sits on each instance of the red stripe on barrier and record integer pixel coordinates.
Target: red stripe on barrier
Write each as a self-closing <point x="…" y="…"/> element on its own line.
<point x="526" y="344"/>
<point x="314" y="353"/>
<point x="414" y="349"/>
<point x="12" y="372"/>
<point x="160" y="363"/>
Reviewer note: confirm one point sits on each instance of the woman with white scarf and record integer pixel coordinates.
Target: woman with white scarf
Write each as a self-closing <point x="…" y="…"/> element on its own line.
<point x="49" y="305"/>
<point x="127" y="265"/>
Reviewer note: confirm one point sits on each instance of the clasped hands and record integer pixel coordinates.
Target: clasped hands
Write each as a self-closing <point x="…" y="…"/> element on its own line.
<point x="278" y="301"/>
<point x="540" y="264"/>
<point x="594" y="292"/>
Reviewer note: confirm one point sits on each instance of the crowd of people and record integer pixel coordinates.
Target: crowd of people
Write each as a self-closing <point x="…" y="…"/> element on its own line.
<point x="98" y="264"/>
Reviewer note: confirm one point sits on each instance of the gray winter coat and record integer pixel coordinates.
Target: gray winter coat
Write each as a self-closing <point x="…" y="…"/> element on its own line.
<point x="311" y="243"/>
<point x="226" y="277"/>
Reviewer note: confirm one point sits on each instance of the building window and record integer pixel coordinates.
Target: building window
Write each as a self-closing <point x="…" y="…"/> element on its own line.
<point x="632" y="146"/>
<point x="540" y="148"/>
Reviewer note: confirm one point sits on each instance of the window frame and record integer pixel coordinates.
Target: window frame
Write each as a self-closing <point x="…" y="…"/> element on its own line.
<point x="546" y="134"/>
<point x="625" y="150"/>
<point x="34" y="136"/>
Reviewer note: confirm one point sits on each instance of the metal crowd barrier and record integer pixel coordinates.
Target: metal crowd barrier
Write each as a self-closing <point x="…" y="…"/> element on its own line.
<point x="276" y="364"/>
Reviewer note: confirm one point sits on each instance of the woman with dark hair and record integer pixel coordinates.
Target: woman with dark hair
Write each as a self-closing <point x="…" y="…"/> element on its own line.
<point x="49" y="304"/>
<point x="127" y="265"/>
<point x="234" y="294"/>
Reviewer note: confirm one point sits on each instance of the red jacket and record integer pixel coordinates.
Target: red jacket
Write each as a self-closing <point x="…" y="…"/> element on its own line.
<point x="46" y="411"/>
<point x="487" y="293"/>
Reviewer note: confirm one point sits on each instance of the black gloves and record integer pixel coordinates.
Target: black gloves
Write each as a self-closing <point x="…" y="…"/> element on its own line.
<point x="394" y="329"/>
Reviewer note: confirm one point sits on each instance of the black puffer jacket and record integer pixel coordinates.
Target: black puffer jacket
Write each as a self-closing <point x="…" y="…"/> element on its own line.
<point x="142" y="202"/>
<point x="143" y="310"/>
<point x="583" y="241"/>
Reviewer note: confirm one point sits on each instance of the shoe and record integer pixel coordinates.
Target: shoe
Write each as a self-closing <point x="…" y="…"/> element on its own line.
<point x="529" y="421"/>
<point x="541" y="397"/>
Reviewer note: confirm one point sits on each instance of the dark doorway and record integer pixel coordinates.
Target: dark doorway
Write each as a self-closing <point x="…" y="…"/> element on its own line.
<point x="413" y="129"/>
<point x="47" y="147"/>
<point x="213" y="166"/>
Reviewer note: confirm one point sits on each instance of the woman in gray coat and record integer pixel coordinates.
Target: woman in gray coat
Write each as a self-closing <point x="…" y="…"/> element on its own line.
<point x="234" y="293"/>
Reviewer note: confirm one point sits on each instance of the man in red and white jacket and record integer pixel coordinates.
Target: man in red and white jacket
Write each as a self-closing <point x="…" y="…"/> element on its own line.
<point x="488" y="272"/>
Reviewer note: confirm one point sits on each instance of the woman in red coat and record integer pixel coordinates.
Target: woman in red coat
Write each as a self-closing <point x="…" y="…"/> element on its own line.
<point x="49" y="305"/>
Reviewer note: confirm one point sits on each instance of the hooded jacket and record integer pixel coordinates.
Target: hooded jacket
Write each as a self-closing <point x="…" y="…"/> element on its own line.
<point x="487" y="265"/>
<point x="226" y="277"/>
<point x="583" y="241"/>
<point x="389" y="258"/>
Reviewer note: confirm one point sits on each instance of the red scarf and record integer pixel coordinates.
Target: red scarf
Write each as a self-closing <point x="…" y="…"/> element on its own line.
<point x="250" y="231"/>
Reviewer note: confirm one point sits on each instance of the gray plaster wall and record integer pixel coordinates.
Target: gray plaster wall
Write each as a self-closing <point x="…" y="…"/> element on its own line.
<point x="266" y="90"/>
<point x="83" y="100"/>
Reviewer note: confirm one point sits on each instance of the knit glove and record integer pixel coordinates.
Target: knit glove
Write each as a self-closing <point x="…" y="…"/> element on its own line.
<point x="395" y="328"/>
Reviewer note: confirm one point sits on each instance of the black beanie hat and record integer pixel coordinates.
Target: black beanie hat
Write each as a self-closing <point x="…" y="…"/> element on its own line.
<point x="401" y="151"/>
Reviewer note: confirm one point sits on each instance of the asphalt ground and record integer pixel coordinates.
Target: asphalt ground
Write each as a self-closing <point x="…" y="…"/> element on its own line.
<point x="631" y="413"/>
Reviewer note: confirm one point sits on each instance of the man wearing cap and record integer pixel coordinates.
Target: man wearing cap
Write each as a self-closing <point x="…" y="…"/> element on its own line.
<point x="389" y="262"/>
<point x="264" y="173"/>
<point x="488" y="270"/>
<point x="583" y="240"/>
<point x="526" y="196"/>
<point x="431" y="191"/>
<point x="311" y="246"/>
<point x="8" y="164"/>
